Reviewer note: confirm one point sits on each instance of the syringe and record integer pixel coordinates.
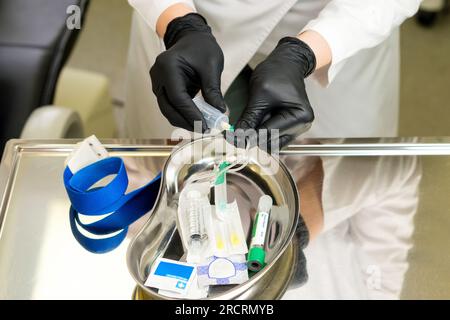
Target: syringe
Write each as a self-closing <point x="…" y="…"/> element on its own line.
<point x="197" y="232"/>
<point x="215" y="120"/>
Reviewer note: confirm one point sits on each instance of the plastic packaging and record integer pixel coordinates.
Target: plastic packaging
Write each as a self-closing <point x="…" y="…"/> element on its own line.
<point x="215" y="120"/>
<point x="203" y="233"/>
<point x="194" y="217"/>
<point x="220" y="191"/>
<point x="172" y="275"/>
<point x="222" y="271"/>
<point x="229" y="235"/>
<point x="197" y="231"/>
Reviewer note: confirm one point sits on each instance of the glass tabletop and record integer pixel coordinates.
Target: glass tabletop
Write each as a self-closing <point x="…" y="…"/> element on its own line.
<point x="378" y="210"/>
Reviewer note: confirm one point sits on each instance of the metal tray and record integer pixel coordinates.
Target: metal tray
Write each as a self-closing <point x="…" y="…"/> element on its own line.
<point x="39" y="259"/>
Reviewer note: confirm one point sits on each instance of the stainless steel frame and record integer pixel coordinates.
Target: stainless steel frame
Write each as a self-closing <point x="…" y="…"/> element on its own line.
<point x="118" y="147"/>
<point x="157" y="148"/>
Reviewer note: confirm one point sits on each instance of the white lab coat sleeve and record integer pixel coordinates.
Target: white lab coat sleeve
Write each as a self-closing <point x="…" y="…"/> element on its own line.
<point x="352" y="25"/>
<point x="150" y="10"/>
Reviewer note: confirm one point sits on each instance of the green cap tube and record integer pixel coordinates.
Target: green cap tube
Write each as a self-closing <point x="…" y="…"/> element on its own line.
<point x="256" y="259"/>
<point x="257" y="255"/>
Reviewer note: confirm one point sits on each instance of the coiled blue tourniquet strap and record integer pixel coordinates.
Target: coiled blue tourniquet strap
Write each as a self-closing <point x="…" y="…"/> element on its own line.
<point x="123" y="209"/>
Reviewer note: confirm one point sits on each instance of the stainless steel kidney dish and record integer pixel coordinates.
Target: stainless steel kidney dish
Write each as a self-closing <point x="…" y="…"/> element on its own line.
<point x="159" y="236"/>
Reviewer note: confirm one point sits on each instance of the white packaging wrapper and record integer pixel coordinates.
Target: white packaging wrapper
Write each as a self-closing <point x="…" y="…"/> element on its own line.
<point x="207" y="248"/>
<point x="195" y="291"/>
<point x="229" y="235"/>
<point x="222" y="271"/>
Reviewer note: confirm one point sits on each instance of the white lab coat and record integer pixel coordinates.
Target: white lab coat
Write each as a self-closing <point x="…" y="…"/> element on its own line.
<point x="356" y="96"/>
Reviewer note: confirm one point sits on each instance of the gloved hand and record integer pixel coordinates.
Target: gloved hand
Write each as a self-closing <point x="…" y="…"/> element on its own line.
<point x="302" y="240"/>
<point x="278" y="98"/>
<point x="193" y="61"/>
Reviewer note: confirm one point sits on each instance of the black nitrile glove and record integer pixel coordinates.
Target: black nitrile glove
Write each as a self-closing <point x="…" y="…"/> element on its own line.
<point x="301" y="272"/>
<point x="193" y="61"/>
<point x="278" y="98"/>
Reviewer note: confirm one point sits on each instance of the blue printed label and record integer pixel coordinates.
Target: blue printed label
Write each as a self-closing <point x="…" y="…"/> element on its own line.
<point x="176" y="271"/>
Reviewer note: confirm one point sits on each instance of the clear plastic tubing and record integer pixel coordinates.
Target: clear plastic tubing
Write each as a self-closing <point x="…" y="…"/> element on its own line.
<point x="220" y="190"/>
<point x="213" y="117"/>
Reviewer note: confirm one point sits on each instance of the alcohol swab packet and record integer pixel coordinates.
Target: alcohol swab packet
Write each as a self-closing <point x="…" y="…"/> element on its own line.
<point x="171" y="275"/>
<point x="195" y="291"/>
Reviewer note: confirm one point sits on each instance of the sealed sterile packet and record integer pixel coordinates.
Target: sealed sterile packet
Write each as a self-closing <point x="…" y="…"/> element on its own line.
<point x="195" y="222"/>
<point x="195" y="291"/>
<point x="172" y="276"/>
<point x="228" y="232"/>
<point x="222" y="271"/>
